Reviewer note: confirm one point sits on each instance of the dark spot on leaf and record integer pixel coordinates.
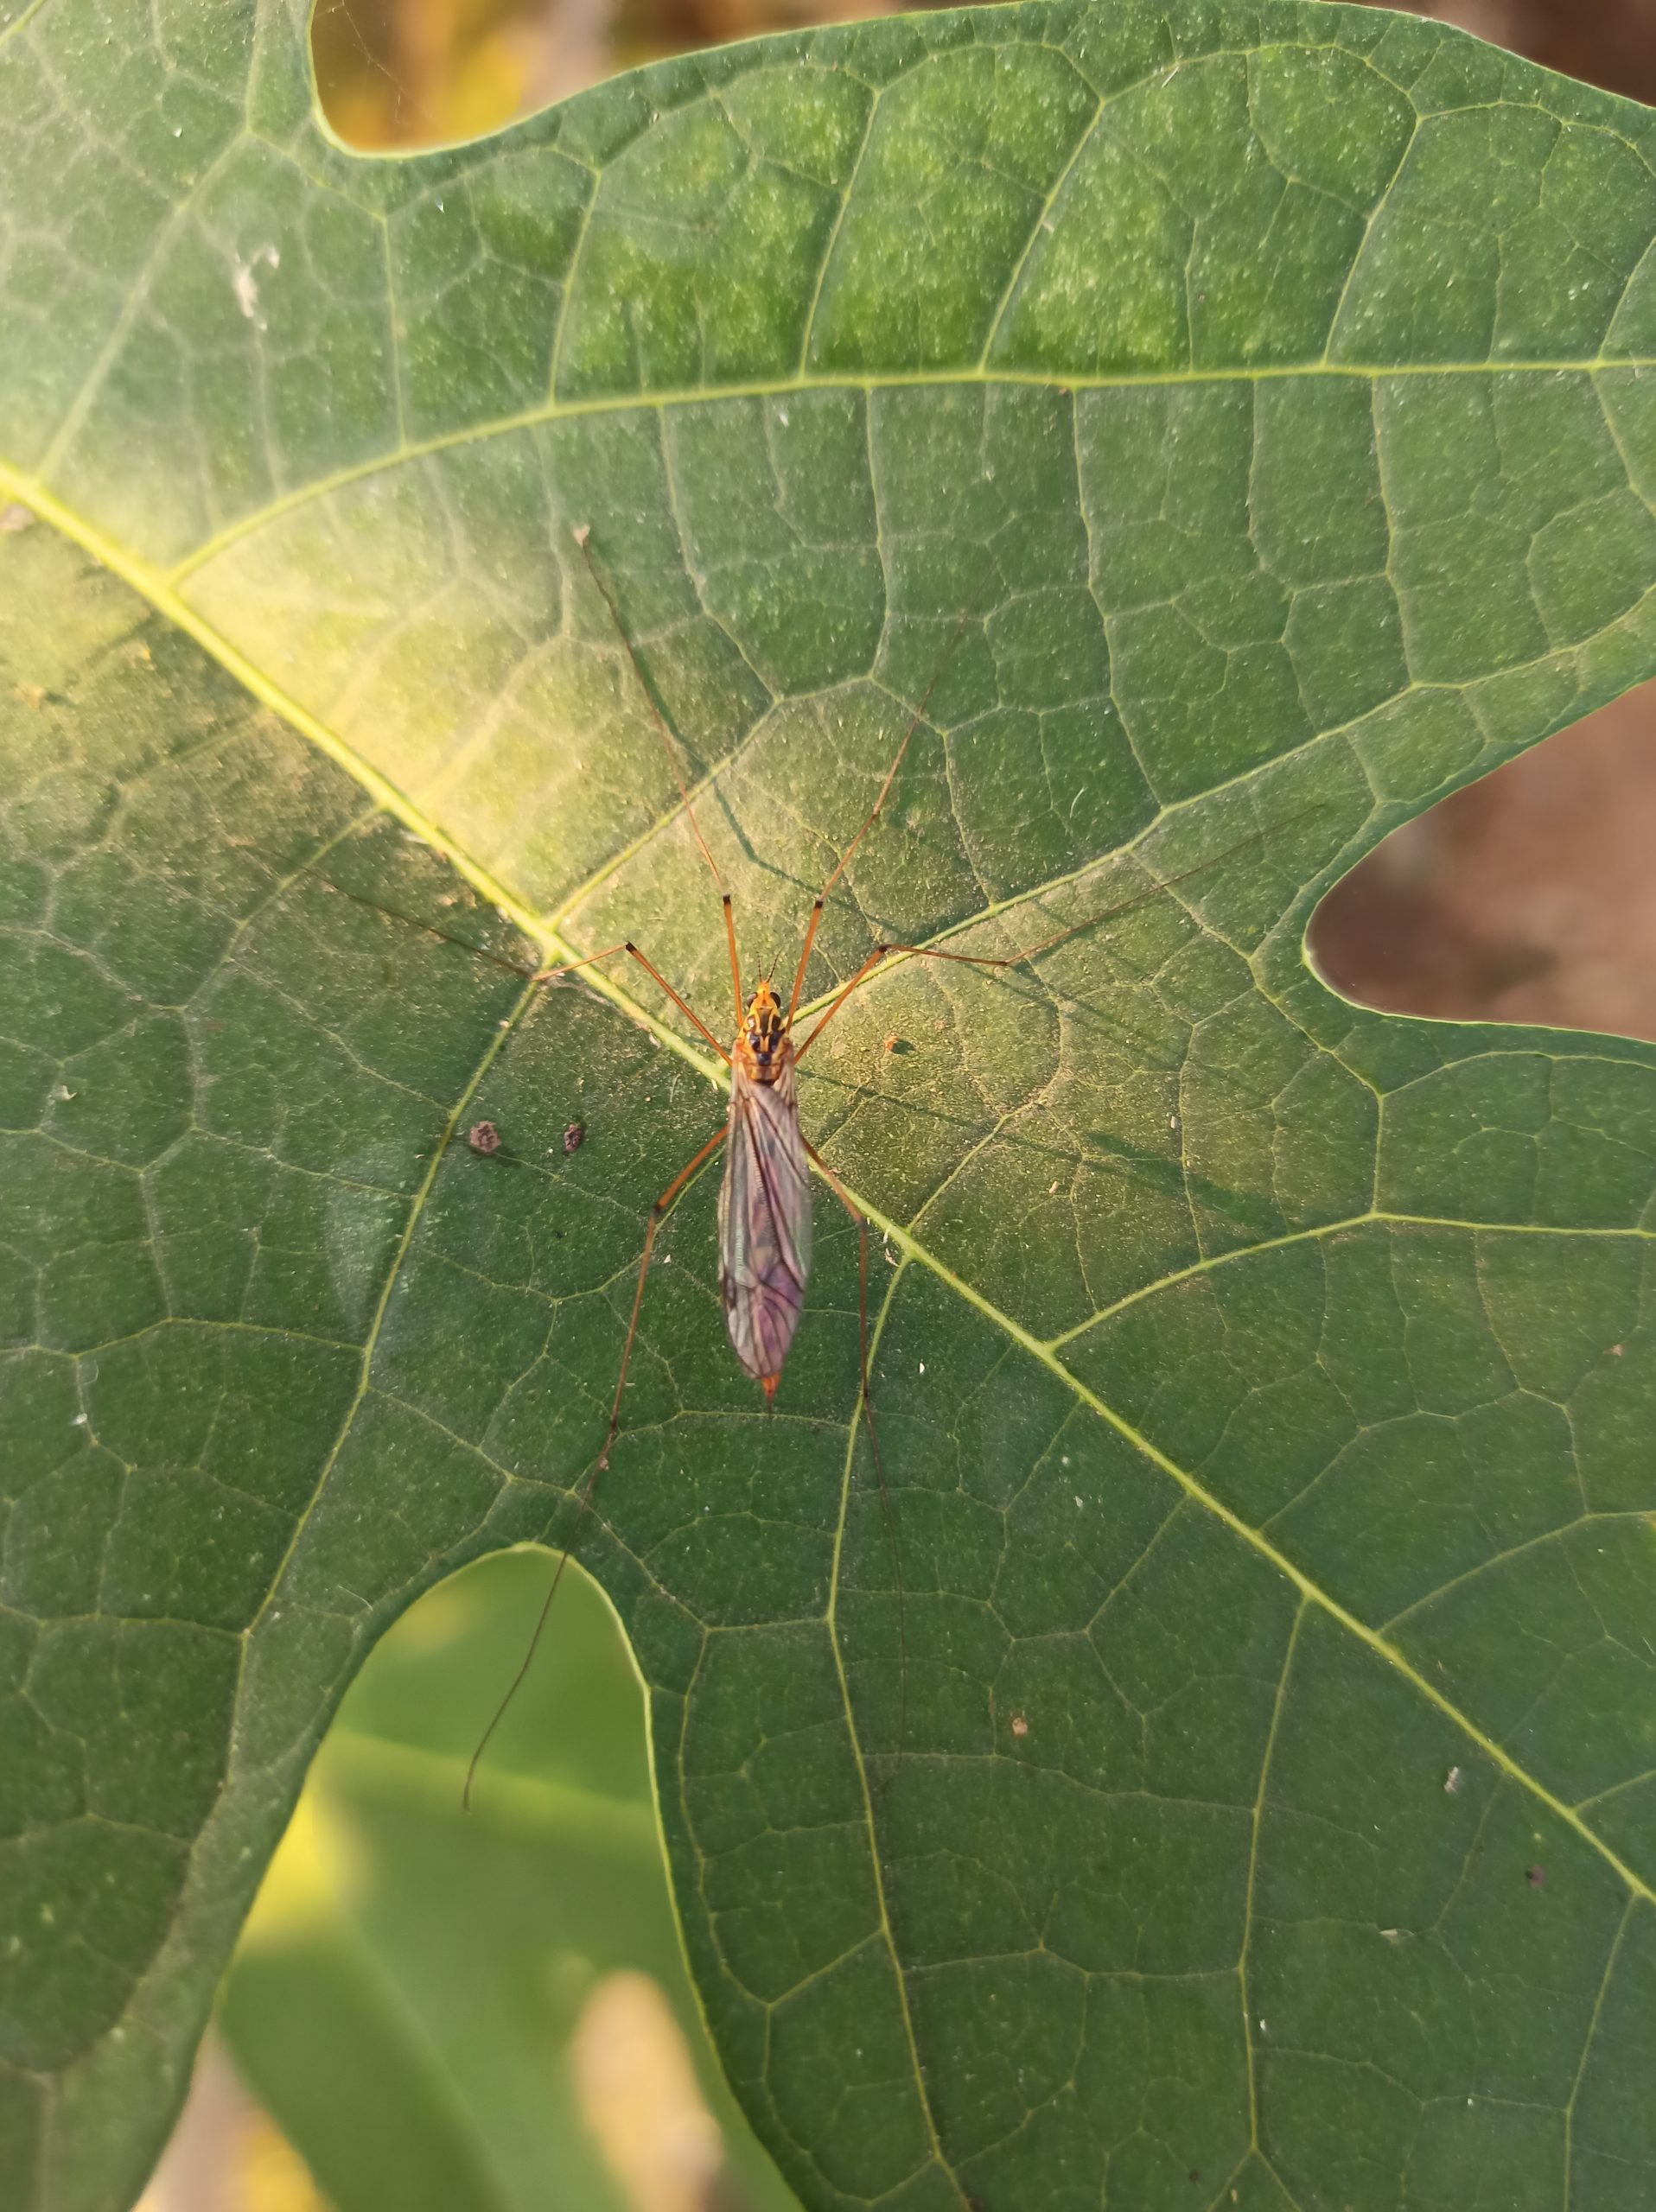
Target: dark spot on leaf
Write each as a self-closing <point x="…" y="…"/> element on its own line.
<point x="1535" y="1876"/>
<point x="575" y="1136"/>
<point x="484" y="1137"/>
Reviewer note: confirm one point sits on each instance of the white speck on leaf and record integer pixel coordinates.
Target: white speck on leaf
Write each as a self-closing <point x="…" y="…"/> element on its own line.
<point x="245" y="283"/>
<point x="1452" y="1781"/>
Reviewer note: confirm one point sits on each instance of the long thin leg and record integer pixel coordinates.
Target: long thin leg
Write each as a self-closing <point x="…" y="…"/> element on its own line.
<point x="658" y="1211"/>
<point x="583" y="539"/>
<point x="736" y="965"/>
<point x="962" y="959"/>
<point x="929" y="952"/>
<point x="564" y="967"/>
<point x="873" y="814"/>
<point x="1046" y="944"/>
<point x="887" y="1513"/>
<point x="568" y="967"/>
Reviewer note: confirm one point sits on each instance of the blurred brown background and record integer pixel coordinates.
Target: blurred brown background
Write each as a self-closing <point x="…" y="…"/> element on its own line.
<point x="1530" y="897"/>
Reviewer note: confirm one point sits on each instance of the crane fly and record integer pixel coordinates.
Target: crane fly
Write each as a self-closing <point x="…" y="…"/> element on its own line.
<point x="764" y="1205"/>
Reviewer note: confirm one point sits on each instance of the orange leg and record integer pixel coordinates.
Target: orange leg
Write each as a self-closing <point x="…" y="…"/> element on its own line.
<point x="887" y="1513"/>
<point x="583" y="539"/>
<point x="1033" y="951"/>
<point x="569" y="967"/>
<point x="563" y="967"/>
<point x="929" y="952"/>
<point x="736" y="965"/>
<point x="657" y="1214"/>
<point x="873" y="814"/>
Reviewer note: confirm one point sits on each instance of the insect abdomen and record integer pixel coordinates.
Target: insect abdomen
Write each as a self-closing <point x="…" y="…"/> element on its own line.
<point x="764" y="1218"/>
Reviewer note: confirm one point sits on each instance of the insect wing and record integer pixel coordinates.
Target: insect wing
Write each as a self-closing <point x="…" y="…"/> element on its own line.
<point x="764" y="1222"/>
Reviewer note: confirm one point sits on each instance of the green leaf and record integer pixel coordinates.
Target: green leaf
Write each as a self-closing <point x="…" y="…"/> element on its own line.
<point x="1252" y="1781"/>
<point x="421" y="1998"/>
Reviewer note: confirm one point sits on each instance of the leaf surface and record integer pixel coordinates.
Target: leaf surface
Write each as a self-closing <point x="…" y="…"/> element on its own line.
<point x="1249" y="1798"/>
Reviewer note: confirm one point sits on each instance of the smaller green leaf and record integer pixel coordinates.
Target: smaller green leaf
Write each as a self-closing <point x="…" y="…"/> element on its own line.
<point x="407" y="1994"/>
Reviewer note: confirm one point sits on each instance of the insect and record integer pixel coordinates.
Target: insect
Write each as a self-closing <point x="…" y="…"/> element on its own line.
<point x="764" y="1207"/>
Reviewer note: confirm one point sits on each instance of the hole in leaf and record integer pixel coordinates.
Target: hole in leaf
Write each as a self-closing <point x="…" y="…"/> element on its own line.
<point x="424" y="72"/>
<point x="416" y="1987"/>
<point x="1529" y="897"/>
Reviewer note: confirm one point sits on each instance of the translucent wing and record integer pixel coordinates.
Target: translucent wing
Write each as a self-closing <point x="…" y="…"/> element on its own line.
<point x="764" y="1222"/>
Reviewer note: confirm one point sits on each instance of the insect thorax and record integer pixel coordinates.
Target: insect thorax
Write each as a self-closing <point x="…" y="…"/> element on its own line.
<point x="762" y="1045"/>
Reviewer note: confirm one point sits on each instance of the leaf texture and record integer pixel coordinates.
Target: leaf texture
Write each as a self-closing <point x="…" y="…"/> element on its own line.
<point x="1265" y="1385"/>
